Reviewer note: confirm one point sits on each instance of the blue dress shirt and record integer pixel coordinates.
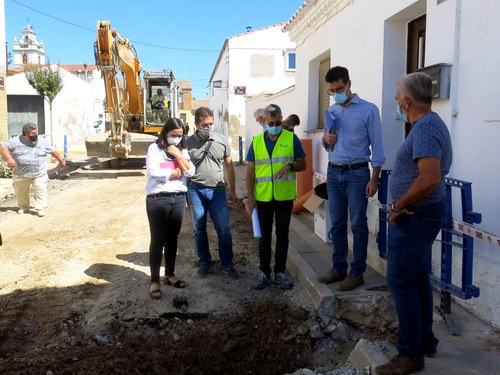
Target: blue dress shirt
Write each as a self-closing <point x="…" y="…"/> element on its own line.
<point x="358" y="127"/>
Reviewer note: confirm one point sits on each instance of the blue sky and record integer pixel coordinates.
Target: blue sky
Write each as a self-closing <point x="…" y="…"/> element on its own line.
<point x="187" y="35"/>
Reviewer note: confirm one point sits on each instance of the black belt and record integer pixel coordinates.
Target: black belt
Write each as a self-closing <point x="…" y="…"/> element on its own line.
<point x="165" y="194"/>
<point x="348" y="167"/>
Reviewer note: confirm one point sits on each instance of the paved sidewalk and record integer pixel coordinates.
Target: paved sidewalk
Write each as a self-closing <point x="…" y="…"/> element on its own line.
<point x="476" y="350"/>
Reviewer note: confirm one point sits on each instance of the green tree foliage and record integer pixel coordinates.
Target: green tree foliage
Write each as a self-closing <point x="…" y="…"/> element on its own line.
<point x="46" y="81"/>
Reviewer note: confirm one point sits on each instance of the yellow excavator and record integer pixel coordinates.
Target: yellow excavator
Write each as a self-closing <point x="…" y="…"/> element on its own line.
<point x="134" y="111"/>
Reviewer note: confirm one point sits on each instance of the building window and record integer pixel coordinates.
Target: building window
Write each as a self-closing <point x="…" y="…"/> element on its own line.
<point x="290" y="60"/>
<point x="25" y="59"/>
<point x="415" y="55"/>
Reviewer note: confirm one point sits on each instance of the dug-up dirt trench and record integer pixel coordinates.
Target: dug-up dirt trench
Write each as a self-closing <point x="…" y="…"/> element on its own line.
<point x="74" y="293"/>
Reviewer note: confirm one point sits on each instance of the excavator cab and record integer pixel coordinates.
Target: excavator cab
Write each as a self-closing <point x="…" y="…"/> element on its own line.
<point x="159" y="103"/>
<point x="158" y="85"/>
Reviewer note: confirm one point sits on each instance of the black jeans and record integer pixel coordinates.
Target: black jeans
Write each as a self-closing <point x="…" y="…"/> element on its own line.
<point x="165" y="214"/>
<point x="281" y="211"/>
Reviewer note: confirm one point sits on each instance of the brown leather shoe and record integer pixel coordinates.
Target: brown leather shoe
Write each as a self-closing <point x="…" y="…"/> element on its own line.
<point x="350" y="282"/>
<point x="392" y="339"/>
<point x="399" y="365"/>
<point x="331" y="277"/>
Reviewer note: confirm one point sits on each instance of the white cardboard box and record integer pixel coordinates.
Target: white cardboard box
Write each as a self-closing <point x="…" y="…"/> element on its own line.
<point x="322" y="223"/>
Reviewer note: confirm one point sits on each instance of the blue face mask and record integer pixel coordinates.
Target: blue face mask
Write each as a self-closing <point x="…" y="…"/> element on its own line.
<point x="340" y="98"/>
<point x="274" y="130"/>
<point x="400" y="114"/>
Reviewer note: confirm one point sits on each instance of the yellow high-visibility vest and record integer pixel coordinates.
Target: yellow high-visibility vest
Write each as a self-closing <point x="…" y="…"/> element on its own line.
<point x="267" y="187"/>
<point x="164" y="100"/>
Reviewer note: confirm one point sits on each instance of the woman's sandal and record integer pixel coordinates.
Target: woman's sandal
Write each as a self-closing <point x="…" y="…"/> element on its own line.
<point x="155" y="291"/>
<point x="177" y="284"/>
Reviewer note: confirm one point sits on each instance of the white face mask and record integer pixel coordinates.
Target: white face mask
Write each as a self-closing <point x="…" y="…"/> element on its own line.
<point x="173" y="141"/>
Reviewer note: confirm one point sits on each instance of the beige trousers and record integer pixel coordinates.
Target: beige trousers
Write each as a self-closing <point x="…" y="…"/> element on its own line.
<point x="22" y="187"/>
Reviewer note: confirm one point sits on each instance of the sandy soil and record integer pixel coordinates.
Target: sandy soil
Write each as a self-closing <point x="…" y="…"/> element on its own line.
<point x="74" y="292"/>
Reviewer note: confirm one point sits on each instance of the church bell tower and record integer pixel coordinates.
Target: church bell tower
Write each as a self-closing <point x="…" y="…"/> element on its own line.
<point x="27" y="50"/>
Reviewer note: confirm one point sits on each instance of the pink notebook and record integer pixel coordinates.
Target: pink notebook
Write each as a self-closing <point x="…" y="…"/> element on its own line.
<point x="171" y="164"/>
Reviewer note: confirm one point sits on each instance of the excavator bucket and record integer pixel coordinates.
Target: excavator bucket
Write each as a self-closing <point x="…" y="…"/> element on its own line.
<point x="140" y="143"/>
<point x="100" y="145"/>
<point x="97" y="145"/>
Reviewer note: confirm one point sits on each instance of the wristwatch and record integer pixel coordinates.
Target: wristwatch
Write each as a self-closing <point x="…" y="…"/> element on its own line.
<point x="405" y="211"/>
<point x="394" y="209"/>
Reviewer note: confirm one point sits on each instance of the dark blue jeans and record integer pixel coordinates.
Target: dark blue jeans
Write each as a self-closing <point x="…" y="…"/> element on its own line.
<point x="281" y="211"/>
<point x="408" y="276"/>
<point x="203" y="201"/>
<point x="165" y="216"/>
<point x="346" y="193"/>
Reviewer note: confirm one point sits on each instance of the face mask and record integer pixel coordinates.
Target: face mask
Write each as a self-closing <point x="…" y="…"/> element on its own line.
<point x="34" y="138"/>
<point x="205" y="133"/>
<point x="274" y="130"/>
<point x="400" y="114"/>
<point x="264" y="127"/>
<point x="340" y="98"/>
<point x="174" y="141"/>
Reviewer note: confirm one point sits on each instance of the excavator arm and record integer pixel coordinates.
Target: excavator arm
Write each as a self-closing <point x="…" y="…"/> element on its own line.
<point x="125" y="102"/>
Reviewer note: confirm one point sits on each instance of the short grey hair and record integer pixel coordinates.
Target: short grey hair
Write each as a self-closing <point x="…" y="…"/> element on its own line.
<point x="418" y="86"/>
<point x="273" y="110"/>
<point x="28" y="128"/>
<point x="259" y="112"/>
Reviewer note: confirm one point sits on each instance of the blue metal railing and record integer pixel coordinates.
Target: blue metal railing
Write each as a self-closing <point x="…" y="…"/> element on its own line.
<point x="445" y="280"/>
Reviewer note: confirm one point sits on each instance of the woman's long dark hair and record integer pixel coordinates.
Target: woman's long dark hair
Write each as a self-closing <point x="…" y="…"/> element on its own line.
<point x="172" y="124"/>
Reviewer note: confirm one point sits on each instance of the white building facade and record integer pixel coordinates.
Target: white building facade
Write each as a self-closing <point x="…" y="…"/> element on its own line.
<point x="378" y="41"/>
<point x="257" y="61"/>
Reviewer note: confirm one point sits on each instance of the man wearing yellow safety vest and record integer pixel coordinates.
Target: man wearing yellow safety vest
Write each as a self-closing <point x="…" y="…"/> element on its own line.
<point x="273" y="159"/>
<point x="160" y="105"/>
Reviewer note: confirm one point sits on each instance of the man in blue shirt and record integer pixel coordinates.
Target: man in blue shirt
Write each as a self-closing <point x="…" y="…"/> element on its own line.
<point x="416" y="217"/>
<point x="352" y="136"/>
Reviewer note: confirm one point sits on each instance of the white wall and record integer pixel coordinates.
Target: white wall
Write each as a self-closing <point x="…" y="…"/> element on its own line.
<point x="370" y="40"/>
<point x="473" y="115"/>
<point x="219" y="96"/>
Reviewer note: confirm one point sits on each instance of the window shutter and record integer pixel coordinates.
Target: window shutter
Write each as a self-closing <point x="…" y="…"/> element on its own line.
<point x="323" y="97"/>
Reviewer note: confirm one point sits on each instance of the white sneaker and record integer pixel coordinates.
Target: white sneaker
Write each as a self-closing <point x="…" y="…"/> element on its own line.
<point x="22" y="211"/>
<point x="41" y="213"/>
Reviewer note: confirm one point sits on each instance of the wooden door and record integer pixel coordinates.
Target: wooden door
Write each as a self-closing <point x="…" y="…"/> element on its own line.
<point x="415" y="54"/>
